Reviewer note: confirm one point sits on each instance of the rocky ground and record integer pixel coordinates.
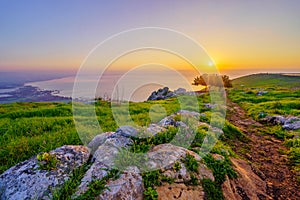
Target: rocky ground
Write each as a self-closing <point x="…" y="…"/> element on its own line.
<point x="105" y="169"/>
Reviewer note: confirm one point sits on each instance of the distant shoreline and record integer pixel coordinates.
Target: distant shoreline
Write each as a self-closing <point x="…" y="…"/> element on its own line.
<point x="31" y="94"/>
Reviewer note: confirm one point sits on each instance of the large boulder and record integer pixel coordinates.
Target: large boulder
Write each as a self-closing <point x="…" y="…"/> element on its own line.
<point x="27" y="181"/>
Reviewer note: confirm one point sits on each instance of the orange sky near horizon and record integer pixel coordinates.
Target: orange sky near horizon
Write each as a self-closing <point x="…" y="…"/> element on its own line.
<point x="237" y="35"/>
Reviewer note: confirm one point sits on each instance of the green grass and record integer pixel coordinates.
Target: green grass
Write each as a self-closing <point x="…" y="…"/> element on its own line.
<point x="27" y="129"/>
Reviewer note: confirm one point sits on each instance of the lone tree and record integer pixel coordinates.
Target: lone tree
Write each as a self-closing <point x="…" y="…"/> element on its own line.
<point x="226" y="81"/>
<point x="208" y="80"/>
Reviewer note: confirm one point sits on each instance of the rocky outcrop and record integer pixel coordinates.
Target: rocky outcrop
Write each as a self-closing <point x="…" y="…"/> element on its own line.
<point x="274" y="120"/>
<point x="288" y="123"/>
<point x="160" y="94"/>
<point x="27" y="181"/>
<point x="165" y="93"/>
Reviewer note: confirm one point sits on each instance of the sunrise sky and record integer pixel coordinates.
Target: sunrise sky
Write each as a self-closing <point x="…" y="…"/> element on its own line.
<point x="238" y="35"/>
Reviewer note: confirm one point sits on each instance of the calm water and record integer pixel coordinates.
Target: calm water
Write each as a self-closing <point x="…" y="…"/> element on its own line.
<point x="133" y="86"/>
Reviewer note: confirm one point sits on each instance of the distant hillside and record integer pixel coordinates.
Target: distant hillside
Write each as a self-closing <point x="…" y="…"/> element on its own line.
<point x="268" y="80"/>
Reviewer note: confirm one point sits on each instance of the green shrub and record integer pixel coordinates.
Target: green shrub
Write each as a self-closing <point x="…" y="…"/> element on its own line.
<point x="70" y="186"/>
<point x="150" y="194"/>
<point x="212" y="190"/>
<point x="151" y="179"/>
<point x="193" y="181"/>
<point x="220" y="168"/>
<point x="47" y="161"/>
<point x="96" y="187"/>
<point x="177" y="166"/>
<point x="191" y="163"/>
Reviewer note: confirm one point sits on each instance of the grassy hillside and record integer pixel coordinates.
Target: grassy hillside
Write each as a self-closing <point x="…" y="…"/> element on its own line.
<point x="268" y="80"/>
<point x="29" y="128"/>
<point x="272" y="94"/>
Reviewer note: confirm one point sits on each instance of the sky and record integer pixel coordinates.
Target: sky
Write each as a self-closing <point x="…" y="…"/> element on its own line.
<point x="57" y="35"/>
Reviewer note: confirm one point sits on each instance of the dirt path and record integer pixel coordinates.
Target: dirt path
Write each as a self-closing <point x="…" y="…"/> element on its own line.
<point x="262" y="151"/>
